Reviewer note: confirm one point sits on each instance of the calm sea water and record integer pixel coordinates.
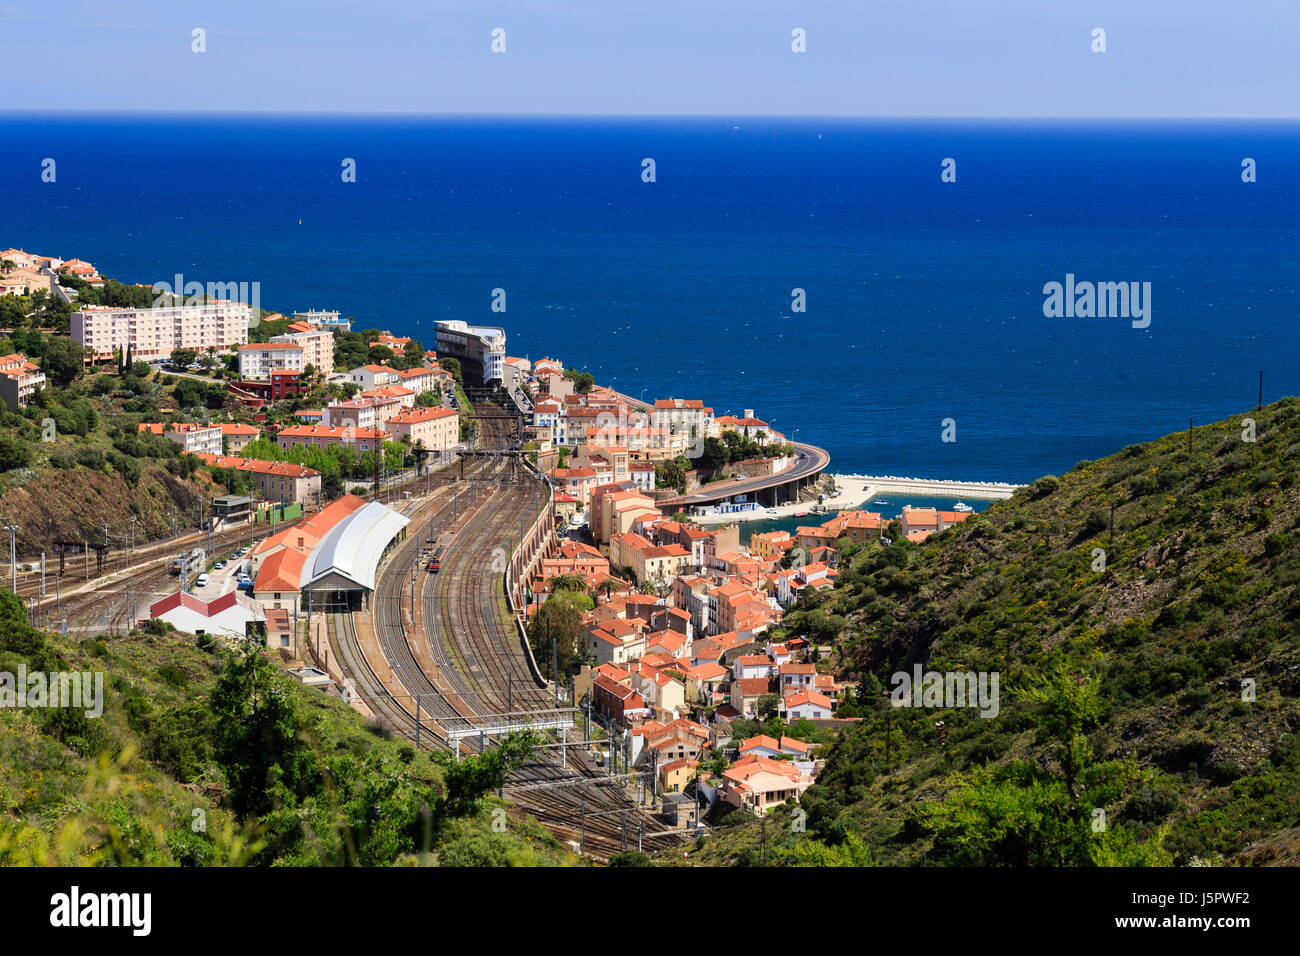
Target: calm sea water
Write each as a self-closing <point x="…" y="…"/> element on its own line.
<point x="924" y="299"/>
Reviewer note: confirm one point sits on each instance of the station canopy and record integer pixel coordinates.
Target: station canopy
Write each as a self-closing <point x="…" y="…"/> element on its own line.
<point x="347" y="557"/>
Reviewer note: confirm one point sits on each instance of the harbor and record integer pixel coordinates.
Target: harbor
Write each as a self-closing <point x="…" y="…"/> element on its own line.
<point x="884" y="493"/>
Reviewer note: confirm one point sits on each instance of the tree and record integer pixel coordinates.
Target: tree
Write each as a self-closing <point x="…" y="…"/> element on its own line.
<point x="14" y="453"/>
<point x="583" y="382"/>
<point x="568" y="582"/>
<point x="715" y="454"/>
<point x="258" y="730"/>
<point x="560" y="621"/>
<point x="452" y="367"/>
<point x="1027" y="814"/>
<point x="420" y="453"/>
<point x="64" y="360"/>
<point x="429" y="399"/>
<point x="266" y="450"/>
<point x="183" y="356"/>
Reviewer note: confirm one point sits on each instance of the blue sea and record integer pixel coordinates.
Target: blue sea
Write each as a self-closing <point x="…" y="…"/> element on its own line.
<point x="924" y="299"/>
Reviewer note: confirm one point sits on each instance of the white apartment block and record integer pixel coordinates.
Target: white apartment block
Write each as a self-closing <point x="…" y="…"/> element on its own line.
<point x="370" y="377"/>
<point x="193" y="439"/>
<point x="317" y="348"/>
<point x="258" y="360"/>
<point x="152" y="334"/>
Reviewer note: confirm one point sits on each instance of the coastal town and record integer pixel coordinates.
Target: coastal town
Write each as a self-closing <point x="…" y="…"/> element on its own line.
<point x="663" y="627"/>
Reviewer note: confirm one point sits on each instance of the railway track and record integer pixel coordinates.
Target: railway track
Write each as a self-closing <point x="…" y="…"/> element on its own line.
<point x="467" y="662"/>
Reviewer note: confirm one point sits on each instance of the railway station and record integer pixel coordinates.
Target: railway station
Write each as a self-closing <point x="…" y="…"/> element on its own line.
<point x="340" y="571"/>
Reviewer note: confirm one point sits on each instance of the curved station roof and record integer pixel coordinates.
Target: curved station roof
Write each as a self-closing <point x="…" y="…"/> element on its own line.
<point x="351" y="550"/>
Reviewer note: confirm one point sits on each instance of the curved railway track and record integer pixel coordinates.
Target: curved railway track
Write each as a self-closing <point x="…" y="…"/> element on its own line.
<point x="467" y="662"/>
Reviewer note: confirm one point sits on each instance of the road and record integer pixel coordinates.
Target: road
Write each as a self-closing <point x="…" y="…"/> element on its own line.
<point x="809" y="462"/>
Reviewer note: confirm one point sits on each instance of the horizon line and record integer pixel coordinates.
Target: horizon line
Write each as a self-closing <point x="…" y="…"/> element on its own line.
<point x="805" y="117"/>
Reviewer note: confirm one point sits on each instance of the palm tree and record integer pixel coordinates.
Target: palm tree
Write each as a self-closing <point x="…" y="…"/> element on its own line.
<point x="568" y="582"/>
<point x="607" y="586"/>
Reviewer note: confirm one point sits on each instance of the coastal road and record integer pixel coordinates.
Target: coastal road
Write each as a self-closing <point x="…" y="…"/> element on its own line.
<point x="809" y="462"/>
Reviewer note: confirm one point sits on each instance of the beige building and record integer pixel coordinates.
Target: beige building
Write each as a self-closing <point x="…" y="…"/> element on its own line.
<point x="759" y="783"/>
<point x="274" y="480"/>
<point x="354" y="413"/>
<point x="258" y="360"/>
<point x="153" y="334"/>
<point x="19" y="380"/>
<point x="238" y="436"/>
<point x="619" y="511"/>
<point x="322" y="436"/>
<point x="317" y="347"/>
<point x="652" y="563"/>
<point x="437" y="428"/>
<point x="686" y="421"/>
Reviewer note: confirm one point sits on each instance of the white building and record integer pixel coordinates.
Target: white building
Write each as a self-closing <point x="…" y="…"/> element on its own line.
<point x="152" y="334"/>
<point x="324" y="320"/>
<point x="228" y="615"/>
<point x="477" y="345"/>
<point x="370" y="377"/>
<point x="193" y="439"/>
<point x="258" y="360"/>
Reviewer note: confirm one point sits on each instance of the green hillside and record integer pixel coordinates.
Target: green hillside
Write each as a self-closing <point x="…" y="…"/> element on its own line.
<point x="1125" y="734"/>
<point x="204" y="756"/>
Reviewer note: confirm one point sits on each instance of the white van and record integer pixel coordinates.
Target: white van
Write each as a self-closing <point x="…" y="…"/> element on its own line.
<point x="201" y="581"/>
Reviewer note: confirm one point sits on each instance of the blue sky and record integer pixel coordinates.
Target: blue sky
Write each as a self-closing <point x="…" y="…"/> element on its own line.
<point x="965" y="58"/>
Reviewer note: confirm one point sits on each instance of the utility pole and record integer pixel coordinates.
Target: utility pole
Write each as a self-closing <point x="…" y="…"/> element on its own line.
<point x="13" y="530"/>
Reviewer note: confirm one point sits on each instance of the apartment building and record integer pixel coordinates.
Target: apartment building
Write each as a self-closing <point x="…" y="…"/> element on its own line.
<point x="317" y="345"/>
<point x="354" y="413"/>
<point x="193" y="439"/>
<point x="153" y="333"/>
<point x="373" y="376"/>
<point x="686" y="421"/>
<point x="258" y="360"/>
<point x="274" y="480"/>
<point x="479" y="348"/>
<point x="238" y="436"/>
<point x="322" y="436"/>
<point x="19" y="380"/>
<point x="437" y="428"/>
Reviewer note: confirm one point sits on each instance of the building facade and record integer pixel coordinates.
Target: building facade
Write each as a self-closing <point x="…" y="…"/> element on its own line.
<point x="153" y="334"/>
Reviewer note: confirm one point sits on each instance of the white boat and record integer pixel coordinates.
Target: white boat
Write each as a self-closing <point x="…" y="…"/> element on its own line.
<point x="962" y="506"/>
<point x="880" y="501"/>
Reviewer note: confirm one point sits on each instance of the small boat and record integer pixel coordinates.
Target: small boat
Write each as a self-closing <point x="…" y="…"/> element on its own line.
<point x="880" y="501"/>
<point x="800" y="514"/>
<point x="962" y="506"/>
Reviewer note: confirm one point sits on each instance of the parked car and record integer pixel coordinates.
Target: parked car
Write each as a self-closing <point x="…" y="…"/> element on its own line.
<point x="201" y="581"/>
